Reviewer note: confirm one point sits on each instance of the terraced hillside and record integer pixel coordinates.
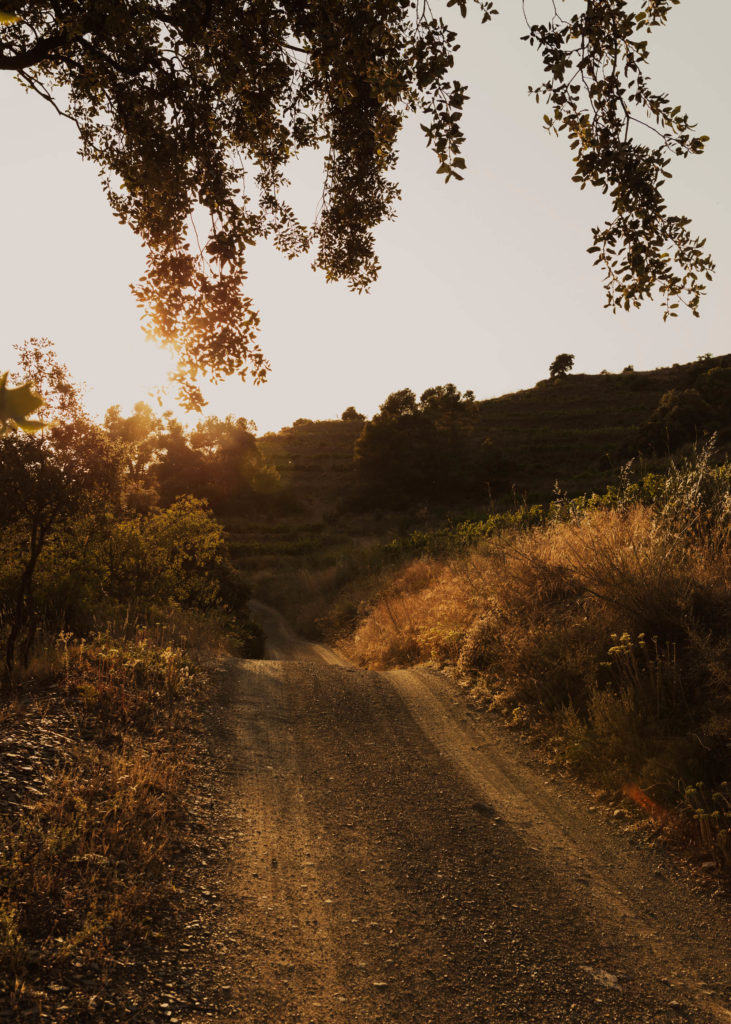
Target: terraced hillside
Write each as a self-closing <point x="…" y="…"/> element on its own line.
<point x="577" y="431"/>
<point x="314" y="460"/>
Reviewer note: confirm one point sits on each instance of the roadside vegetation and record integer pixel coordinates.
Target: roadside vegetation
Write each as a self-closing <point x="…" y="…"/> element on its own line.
<point x="116" y="594"/>
<point x="97" y="762"/>
<point x="602" y="624"/>
<point x="599" y="620"/>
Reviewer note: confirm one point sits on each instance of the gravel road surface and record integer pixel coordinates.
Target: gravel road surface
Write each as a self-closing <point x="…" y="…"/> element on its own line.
<point x="393" y="859"/>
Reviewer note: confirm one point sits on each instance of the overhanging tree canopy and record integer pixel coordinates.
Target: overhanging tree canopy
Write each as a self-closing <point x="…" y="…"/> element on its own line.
<point x="190" y="106"/>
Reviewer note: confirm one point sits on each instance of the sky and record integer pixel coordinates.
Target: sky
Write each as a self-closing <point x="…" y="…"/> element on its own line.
<point x="483" y="281"/>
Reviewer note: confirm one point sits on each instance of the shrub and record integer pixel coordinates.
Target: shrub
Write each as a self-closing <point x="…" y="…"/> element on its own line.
<point x="682" y="416"/>
<point x="608" y="622"/>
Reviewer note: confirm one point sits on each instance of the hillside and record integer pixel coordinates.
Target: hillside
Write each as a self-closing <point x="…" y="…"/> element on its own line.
<point x="576" y="432"/>
<point x="314" y="460"/>
<point x="579" y="430"/>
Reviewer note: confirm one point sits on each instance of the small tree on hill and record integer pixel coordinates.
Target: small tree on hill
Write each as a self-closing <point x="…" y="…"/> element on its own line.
<point x="561" y="365"/>
<point x="351" y="413"/>
<point x="398" y="403"/>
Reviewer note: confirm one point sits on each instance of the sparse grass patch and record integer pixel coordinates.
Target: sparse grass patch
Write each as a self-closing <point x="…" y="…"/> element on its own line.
<point x="92" y="824"/>
<point x="82" y="866"/>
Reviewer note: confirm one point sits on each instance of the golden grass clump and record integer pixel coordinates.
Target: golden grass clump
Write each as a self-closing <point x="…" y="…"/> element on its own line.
<point x="610" y="628"/>
<point x="78" y="865"/>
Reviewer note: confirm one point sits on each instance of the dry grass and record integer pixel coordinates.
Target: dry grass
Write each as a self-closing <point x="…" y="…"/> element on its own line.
<point x="79" y="865"/>
<point x="86" y="851"/>
<point x="609" y="632"/>
<point x="609" y="572"/>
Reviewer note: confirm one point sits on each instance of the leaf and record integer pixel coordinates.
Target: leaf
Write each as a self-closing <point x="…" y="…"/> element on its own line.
<point x="16" y="404"/>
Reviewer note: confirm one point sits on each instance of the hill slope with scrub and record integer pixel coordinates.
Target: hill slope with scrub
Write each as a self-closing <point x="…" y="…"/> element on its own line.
<point x="597" y="618"/>
<point x="596" y="615"/>
<point x="575" y="431"/>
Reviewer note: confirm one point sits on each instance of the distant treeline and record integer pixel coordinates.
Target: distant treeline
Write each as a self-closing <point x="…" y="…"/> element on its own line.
<point x="430" y="449"/>
<point x="445" y="447"/>
<point x="217" y="460"/>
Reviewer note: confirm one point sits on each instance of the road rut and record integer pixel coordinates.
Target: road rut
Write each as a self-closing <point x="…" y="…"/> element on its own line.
<point x="391" y="860"/>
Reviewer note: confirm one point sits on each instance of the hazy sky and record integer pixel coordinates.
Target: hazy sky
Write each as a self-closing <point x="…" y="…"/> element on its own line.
<point x="484" y="281"/>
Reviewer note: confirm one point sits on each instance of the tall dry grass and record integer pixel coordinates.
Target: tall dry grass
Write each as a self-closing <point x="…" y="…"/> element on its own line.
<point x="611" y="630"/>
<point x="612" y="568"/>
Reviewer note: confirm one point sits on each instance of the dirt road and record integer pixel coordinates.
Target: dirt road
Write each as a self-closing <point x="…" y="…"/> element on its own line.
<point x="392" y="860"/>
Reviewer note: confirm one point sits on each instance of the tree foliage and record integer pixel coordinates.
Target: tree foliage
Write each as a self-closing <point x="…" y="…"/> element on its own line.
<point x="173" y="554"/>
<point x="188" y="106"/>
<point x="352" y="414"/>
<point x="77" y="543"/>
<point x="45" y="480"/>
<point x="561" y="366"/>
<point x="600" y="94"/>
<point x="47" y="477"/>
<point x="682" y="416"/>
<point x="427" y="450"/>
<point x="688" y="415"/>
<point x="16" y="405"/>
<point x="217" y="460"/>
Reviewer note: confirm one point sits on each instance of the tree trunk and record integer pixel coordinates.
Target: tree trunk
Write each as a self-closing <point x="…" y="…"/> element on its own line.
<point x="23" y="600"/>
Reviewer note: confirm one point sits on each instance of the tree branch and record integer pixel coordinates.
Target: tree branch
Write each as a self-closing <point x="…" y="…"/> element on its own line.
<point x="44" y="94"/>
<point x="41" y="50"/>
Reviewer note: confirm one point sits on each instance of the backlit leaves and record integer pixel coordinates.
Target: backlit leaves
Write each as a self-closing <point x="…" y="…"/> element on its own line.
<point x="623" y="135"/>
<point x="193" y="111"/>
<point x="16" y="405"/>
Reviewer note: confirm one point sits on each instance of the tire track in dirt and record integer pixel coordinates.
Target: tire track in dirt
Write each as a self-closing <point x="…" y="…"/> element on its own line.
<point x="633" y="891"/>
<point x="362" y="886"/>
<point x="273" y="891"/>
